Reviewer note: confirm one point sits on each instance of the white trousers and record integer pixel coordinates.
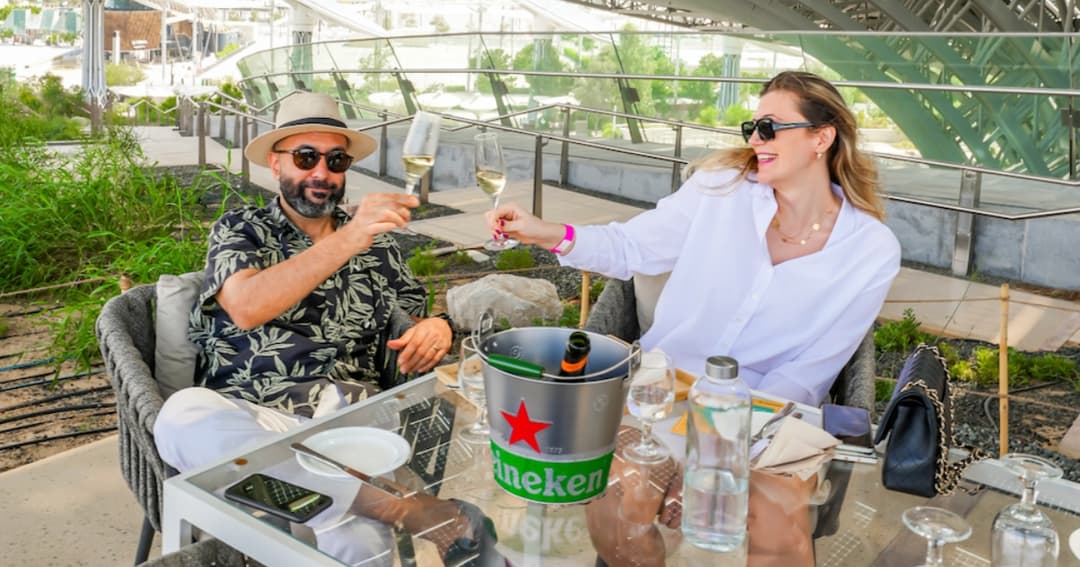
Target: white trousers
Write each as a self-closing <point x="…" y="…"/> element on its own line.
<point x="198" y="426"/>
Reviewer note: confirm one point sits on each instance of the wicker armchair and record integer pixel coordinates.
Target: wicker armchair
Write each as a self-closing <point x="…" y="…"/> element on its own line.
<point x="125" y="331"/>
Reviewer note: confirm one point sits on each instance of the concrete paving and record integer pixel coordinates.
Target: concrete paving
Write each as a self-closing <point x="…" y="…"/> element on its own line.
<point x="74" y="508"/>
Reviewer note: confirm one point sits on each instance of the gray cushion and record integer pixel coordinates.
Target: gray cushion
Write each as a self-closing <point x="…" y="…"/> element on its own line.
<point x="174" y="354"/>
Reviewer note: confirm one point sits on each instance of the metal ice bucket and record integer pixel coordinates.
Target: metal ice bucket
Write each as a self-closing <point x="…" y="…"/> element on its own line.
<point x="551" y="441"/>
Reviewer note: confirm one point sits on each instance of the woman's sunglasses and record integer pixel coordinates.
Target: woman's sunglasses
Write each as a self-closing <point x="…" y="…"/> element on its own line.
<point x="306" y="157"/>
<point x="767" y="128"/>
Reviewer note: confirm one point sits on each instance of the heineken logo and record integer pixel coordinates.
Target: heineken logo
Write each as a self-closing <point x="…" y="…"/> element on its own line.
<point x="524" y="429"/>
<point x="554" y="482"/>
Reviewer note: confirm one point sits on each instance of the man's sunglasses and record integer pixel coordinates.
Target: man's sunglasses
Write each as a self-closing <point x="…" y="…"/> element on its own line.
<point x="767" y="128"/>
<point x="306" y="157"/>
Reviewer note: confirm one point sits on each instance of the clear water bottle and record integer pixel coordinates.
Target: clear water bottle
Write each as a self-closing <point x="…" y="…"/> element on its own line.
<point x="717" y="479"/>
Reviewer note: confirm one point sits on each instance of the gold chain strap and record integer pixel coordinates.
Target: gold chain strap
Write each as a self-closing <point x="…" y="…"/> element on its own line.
<point x="948" y="475"/>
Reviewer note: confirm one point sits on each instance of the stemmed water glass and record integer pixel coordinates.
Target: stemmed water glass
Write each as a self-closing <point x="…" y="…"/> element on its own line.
<point x="491" y="178"/>
<point x="651" y="398"/>
<point x="939" y="527"/>
<point x="1023" y="534"/>
<point x="418" y="153"/>
<point x="471" y="379"/>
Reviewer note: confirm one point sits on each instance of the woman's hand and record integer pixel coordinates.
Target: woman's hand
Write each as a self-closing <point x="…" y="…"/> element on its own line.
<point x="512" y="220"/>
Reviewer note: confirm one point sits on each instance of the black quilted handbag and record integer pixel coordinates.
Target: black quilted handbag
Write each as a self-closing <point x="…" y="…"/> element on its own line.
<point x="919" y="418"/>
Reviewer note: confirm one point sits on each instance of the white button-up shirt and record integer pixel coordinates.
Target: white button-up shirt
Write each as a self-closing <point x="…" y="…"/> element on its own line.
<point x="791" y="326"/>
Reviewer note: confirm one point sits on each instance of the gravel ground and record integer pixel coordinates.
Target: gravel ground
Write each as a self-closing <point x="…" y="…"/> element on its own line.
<point x="1039" y="414"/>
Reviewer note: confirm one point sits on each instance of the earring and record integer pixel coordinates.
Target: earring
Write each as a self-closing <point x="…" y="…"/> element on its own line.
<point x="819" y="155"/>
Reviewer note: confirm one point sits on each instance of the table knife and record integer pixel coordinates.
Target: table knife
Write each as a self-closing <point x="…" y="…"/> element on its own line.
<point x="386" y="486"/>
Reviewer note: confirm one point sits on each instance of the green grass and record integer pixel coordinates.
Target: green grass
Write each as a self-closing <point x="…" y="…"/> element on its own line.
<point x="92" y="215"/>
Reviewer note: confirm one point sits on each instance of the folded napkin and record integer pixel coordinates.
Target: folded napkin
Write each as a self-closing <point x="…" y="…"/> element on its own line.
<point x="798" y="448"/>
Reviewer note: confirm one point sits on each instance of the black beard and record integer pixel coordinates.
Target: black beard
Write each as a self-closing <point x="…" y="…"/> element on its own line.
<point x="294" y="195"/>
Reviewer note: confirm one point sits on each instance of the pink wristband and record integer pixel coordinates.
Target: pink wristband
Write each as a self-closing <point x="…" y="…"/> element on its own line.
<point x="567" y="239"/>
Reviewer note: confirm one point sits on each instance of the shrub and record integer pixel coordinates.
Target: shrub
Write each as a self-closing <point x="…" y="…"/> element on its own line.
<point x="962" y="370"/>
<point x="986" y="367"/>
<point x="423" y="262"/>
<point x="121" y="74"/>
<point x="596" y="289"/>
<point x="514" y="259"/>
<point x="1050" y="367"/>
<point x="883" y="390"/>
<point x="949" y="353"/>
<point x="900" y="336"/>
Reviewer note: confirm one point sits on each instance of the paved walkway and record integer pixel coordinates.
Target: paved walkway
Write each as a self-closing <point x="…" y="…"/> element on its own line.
<point x="74" y="508"/>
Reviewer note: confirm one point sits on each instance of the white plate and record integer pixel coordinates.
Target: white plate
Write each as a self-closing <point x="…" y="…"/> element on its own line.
<point x="1074" y="543"/>
<point x="367" y="449"/>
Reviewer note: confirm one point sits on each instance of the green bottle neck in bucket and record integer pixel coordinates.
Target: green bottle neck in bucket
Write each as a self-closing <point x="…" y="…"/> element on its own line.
<point x="526" y="369"/>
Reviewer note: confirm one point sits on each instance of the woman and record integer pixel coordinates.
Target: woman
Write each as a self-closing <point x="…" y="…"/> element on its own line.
<point x="777" y="253"/>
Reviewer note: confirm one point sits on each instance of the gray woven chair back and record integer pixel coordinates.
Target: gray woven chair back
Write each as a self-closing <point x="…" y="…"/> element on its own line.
<point x="125" y="331"/>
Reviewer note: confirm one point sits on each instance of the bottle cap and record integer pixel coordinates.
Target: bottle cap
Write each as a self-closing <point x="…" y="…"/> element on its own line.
<point x="721" y="367"/>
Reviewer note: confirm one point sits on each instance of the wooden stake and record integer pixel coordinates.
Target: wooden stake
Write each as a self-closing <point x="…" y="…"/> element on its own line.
<point x="585" y="287"/>
<point x="125" y="283"/>
<point x="1003" y="373"/>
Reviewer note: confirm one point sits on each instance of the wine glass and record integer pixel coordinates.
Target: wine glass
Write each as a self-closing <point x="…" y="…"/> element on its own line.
<point x="491" y="178"/>
<point x="1023" y="534"/>
<point x="651" y="398"/>
<point x="471" y="379"/>
<point x="939" y="527"/>
<point x="418" y="153"/>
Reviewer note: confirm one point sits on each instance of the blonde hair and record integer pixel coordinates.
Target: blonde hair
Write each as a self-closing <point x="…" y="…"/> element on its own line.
<point x="822" y="105"/>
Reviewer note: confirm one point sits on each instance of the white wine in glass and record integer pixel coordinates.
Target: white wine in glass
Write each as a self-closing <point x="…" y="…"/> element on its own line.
<point x="491" y="178"/>
<point x="418" y="153"/>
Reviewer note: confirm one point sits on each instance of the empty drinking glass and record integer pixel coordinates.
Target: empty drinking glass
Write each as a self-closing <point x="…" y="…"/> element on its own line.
<point x="1023" y="534"/>
<point x="939" y="527"/>
<point x="651" y="398"/>
<point x="471" y="379"/>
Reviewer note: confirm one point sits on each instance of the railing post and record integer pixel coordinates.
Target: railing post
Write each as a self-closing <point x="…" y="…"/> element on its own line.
<point x="236" y="131"/>
<point x="384" y="141"/>
<point x="1003" y="374"/>
<point x="221" y="127"/>
<point x="245" y="167"/>
<point x="970" y="189"/>
<point x="675" y="166"/>
<point x="538" y="177"/>
<point x="200" y="130"/>
<point x="564" y="158"/>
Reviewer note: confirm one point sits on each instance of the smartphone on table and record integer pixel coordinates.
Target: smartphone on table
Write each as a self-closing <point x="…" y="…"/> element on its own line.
<point x="277" y="497"/>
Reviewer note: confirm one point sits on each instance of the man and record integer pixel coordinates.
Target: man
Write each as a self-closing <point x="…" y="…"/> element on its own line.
<point x="300" y="298"/>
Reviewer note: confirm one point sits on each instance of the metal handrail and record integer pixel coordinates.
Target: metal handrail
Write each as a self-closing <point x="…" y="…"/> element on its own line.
<point x="678" y="161"/>
<point x="984" y="89"/>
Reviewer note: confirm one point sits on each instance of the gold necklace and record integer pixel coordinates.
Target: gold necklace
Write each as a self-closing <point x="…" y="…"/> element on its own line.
<point x="814" y="227"/>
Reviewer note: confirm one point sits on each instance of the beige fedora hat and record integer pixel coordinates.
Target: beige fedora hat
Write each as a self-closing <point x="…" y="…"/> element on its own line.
<point x="308" y="112"/>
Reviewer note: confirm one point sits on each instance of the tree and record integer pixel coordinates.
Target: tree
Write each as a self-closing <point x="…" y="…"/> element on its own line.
<point x="492" y="59"/>
<point x="709" y="66"/>
<point x="540" y="55"/>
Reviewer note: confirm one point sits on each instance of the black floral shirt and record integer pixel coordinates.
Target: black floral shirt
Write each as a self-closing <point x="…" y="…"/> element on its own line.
<point x="332" y="336"/>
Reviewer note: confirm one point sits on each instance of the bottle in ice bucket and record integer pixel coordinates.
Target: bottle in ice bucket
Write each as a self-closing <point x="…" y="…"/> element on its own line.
<point x="576" y="356"/>
<point x="717" y="479"/>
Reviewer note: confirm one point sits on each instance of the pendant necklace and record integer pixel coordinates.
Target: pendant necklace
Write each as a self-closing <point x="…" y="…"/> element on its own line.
<point x="814" y="227"/>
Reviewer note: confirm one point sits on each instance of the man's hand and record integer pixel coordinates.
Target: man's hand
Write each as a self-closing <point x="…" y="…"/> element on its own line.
<point x="376" y="213"/>
<point x="423" y="345"/>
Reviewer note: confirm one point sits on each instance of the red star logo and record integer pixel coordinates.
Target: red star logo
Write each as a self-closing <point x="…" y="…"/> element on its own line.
<point x="523" y="428"/>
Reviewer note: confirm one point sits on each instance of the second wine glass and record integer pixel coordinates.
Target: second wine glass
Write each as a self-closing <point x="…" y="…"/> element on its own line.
<point x="418" y="153"/>
<point x="471" y="379"/>
<point x="491" y="178"/>
<point x="651" y="398"/>
<point x="1023" y="534"/>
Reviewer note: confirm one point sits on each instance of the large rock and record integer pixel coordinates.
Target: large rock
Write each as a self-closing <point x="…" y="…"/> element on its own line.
<point x="520" y="300"/>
